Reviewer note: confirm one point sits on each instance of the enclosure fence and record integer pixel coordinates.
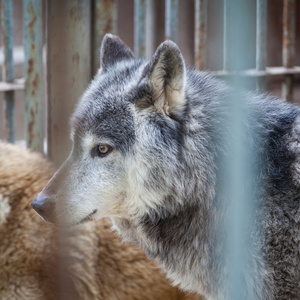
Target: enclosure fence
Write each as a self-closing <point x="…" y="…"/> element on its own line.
<point x="78" y="27"/>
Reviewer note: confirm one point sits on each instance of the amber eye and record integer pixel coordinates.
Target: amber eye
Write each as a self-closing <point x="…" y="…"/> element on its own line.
<point x="104" y="149"/>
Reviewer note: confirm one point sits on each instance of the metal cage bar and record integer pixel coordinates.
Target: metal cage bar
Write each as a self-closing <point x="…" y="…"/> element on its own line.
<point x="288" y="51"/>
<point x="261" y="37"/>
<point x="104" y="15"/>
<point x="68" y="68"/>
<point x="140" y="28"/>
<point x="171" y="20"/>
<point x="8" y="67"/>
<point x="228" y="44"/>
<point x="200" y="34"/>
<point x="237" y="167"/>
<point x="33" y="72"/>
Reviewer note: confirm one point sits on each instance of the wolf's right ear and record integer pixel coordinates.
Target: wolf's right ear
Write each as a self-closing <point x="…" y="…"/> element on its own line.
<point x="165" y="74"/>
<point x="112" y="51"/>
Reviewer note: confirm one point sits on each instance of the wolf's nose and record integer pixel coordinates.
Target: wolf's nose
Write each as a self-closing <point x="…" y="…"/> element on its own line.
<point x="44" y="207"/>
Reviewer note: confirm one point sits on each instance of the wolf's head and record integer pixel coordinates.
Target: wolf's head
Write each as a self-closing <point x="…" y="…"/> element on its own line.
<point x="126" y="137"/>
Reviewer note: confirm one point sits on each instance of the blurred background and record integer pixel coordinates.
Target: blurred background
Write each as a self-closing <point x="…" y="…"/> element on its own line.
<point x="49" y="51"/>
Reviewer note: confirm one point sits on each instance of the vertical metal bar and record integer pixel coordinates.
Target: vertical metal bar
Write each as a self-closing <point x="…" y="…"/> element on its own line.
<point x="200" y="34"/>
<point x="234" y="41"/>
<point x="288" y="51"/>
<point x="33" y="72"/>
<point x="261" y="37"/>
<point x="8" y="67"/>
<point x="171" y="20"/>
<point x="104" y="14"/>
<point x="225" y="40"/>
<point x="68" y="68"/>
<point x="238" y="166"/>
<point x="140" y="28"/>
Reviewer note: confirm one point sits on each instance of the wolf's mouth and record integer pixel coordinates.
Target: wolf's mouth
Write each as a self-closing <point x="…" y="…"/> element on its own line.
<point x="88" y="217"/>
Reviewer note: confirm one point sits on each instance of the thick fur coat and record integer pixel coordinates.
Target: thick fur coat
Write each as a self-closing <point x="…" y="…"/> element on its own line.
<point x="149" y="142"/>
<point x="90" y="263"/>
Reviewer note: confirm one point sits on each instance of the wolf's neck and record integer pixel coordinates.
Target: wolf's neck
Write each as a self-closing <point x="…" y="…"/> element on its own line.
<point x="175" y="242"/>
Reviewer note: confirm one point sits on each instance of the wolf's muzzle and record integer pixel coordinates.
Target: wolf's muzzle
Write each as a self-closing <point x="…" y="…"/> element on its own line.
<point x="44" y="207"/>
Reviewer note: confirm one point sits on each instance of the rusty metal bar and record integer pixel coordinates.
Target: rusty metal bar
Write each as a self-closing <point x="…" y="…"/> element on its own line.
<point x="200" y="34"/>
<point x="33" y="72"/>
<point x="140" y="28"/>
<point x="261" y="38"/>
<point x="171" y="20"/>
<point x="8" y="66"/>
<point x="68" y="68"/>
<point x="104" y="16"/>
<point x="288" y="51"/>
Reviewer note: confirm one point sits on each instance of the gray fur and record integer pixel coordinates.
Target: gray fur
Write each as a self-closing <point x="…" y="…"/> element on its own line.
<point x="161" y="185"/>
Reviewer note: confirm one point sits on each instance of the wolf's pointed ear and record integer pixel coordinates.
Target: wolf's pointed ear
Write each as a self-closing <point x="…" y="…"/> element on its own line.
<point x="165" y="74"/>
<point x="112" y="51"/>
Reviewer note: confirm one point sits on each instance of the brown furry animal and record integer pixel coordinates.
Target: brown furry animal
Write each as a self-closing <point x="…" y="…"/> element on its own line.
<point x="87" y="262"/>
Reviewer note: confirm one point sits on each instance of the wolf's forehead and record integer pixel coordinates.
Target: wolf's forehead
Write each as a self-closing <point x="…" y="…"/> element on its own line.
<point x="107" y="119"/>
<point x="119" y="79"/>
<point x="106" y="109"/>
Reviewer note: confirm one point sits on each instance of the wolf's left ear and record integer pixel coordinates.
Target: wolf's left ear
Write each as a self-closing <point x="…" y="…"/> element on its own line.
<point x="165" y="74"/>
<point x="112" y="51"/>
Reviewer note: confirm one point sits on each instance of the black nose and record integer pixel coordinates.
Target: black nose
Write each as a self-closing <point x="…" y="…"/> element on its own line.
<point x="43" y="205"/>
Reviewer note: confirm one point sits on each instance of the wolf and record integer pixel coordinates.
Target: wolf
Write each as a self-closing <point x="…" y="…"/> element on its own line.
<point x="148" y="145"/>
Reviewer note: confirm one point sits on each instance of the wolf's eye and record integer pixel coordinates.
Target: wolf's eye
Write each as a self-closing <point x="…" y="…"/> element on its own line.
<point x="104" y="149"/>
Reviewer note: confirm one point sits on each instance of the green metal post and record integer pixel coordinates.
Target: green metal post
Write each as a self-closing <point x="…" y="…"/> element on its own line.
<point x="8" y="67"/>
<point x="33" y="71"/>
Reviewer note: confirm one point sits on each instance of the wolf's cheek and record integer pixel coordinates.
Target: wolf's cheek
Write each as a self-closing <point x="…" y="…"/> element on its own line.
<point x="107" y="197"/>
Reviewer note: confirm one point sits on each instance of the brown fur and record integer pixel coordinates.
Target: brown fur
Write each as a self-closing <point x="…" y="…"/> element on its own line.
<point x="87" y="262"/>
